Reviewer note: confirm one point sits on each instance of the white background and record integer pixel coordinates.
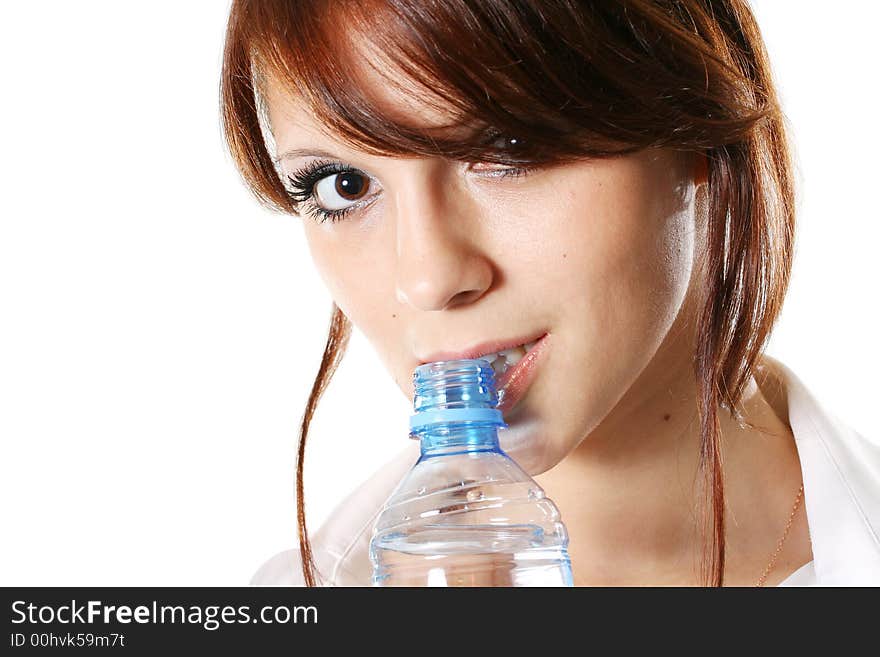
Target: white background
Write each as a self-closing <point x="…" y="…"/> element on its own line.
<point x="160" y="331"/>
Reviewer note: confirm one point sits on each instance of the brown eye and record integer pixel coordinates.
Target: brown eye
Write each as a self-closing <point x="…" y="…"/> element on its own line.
<point x="509" y="144"/>
<point x="335" y="191"/>
<point x="350" y="185"/>
<point x="511" y="149"/>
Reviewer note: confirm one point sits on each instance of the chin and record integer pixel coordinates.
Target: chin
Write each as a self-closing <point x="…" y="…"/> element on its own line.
<point x="527" y="443"/>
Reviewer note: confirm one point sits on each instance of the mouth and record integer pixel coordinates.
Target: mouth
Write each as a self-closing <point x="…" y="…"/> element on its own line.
<point x="489" y="350"/>
<point x="505" y="361"/>
<point x="513" y="361"/>
<point x="514" y="376"/>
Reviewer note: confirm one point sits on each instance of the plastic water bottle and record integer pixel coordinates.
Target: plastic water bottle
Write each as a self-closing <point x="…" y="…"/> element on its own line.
<point x="466" y="514"/>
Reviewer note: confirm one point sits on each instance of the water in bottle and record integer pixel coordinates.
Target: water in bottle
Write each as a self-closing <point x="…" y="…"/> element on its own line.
<point x="466" y="514"/>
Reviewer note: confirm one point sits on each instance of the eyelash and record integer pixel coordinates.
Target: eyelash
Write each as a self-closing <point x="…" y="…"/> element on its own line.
<point x="302" y="183"/>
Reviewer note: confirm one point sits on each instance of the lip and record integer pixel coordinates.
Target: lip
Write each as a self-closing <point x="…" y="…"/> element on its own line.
<point x="489" y="347"/>
<point x="513" y="384"/>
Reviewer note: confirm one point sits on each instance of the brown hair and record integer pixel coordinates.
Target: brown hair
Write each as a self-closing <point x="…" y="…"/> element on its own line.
<point x="569" y="79"/>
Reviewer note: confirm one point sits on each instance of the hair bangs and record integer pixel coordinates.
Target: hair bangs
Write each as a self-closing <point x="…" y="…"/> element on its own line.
<point x="342" y="58"/>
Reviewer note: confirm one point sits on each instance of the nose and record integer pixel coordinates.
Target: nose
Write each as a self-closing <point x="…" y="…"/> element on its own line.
<point x="440" y="262"/>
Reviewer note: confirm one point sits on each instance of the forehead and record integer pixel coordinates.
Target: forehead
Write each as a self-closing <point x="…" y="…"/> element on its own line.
<point x="391" y="92"/>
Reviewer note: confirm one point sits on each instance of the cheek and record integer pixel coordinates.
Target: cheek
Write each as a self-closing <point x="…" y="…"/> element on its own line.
<point x="616" y="240"/>
<point x="354" y="277"/>
<point x="626" y="236"/>
<point x="359" y="278"/>
<point x="641" y="261"/>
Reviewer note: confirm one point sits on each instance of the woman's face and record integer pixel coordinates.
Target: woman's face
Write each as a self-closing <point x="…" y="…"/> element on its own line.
<point x="444" y="255"/>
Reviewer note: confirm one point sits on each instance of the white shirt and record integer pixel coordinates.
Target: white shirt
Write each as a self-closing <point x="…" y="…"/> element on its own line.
<point x="841" y="475"/>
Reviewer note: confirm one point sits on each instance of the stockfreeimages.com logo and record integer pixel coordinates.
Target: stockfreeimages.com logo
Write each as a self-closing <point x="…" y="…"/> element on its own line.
<point x="210" y="617"/>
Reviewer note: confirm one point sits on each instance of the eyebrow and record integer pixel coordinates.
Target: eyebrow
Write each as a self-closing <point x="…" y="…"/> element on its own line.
<point x="479" y="129"/>
<point x="301" y="152"/>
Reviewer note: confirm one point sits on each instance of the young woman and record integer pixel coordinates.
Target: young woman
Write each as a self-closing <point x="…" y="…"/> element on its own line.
<point x="613" y="175"/>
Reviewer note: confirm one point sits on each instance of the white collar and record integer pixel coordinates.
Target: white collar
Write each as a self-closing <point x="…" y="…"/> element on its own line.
<point x="841" y="474"/>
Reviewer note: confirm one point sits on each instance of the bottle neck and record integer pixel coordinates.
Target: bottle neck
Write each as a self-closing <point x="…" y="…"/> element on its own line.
<point x="454" y="438"/>
<point x="455" y="407"/>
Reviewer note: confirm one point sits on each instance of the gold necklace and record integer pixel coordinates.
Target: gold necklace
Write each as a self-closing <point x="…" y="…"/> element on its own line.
<point x="769" y="567"/>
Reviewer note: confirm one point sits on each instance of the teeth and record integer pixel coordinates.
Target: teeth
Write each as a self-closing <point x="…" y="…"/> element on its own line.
<point x="503" y="360"/>
<point x="513" y="356"/>
<point x="499" y="365"/>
